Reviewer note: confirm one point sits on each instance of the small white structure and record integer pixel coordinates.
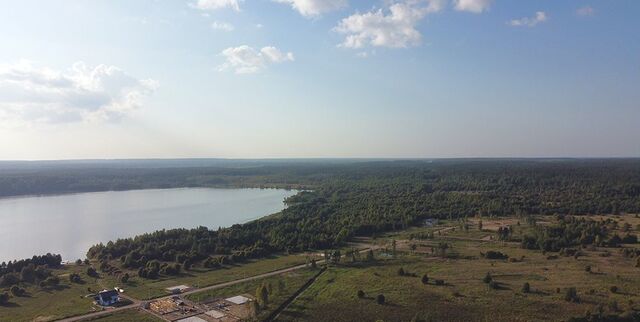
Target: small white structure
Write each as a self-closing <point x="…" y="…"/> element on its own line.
<point x="192" y="319"/>
<point x="431" y="222"/>
<point x="177" y="289"/>
<point x="215" y="314"/>
<point x="239" y="300"/>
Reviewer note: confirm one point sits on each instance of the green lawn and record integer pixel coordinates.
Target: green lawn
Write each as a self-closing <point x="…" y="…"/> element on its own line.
<point x="64" y="301"/>
<point x="147" y="289"/>
<point x="133" y="315"/>
<point x="68" y="299"/>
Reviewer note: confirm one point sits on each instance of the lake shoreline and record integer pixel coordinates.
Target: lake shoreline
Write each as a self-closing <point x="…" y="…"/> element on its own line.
<point x="69" y="224"/>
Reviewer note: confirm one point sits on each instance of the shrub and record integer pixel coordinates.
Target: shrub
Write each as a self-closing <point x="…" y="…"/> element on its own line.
<point x="613" y="289"/>
<point x="439" y="282"/>
<point x="74" y="278"/>
<point x="380" y="299"/>
<point x="92" y="271"/>
<point x="526" y="288"/>
<point x="9" y="279"/>
<point x="52" y="281"/>
<point x="613" y="306"/>
<point x="401" y="271"/>
<point x="17" y="291"/>
<point x="78" y="262"/>
<point x="571" y="295"/>
<point x="425" y="279"/>
<point x="4" y="298"/>
<point x="587" y="268"/>
<point x="495" y="255"/>
<point x="487" y="278"/>
<point x="360" y="294"/>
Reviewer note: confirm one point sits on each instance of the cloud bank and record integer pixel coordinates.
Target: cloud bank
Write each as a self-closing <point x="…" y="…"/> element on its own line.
<point x="82" y="93"/>
<point x="211" y="5"/>
<point x="392" y="28"/>
<point x="538" y="18"/>
<point x="246" y="60"/>
<point x="314" y="8"/>
<point x="473" y="6"/>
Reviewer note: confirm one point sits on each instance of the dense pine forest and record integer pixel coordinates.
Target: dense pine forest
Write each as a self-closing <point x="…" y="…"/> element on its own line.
<point x="365" y="198"/>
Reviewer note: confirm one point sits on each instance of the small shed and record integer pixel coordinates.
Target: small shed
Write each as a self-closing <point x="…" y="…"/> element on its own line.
<point x="238" y="300"/>
<point x="192" y="319"/>
<point x="178" y="289"/>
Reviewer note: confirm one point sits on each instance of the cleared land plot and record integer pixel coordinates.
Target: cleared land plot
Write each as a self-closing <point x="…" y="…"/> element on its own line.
<point x="282" y="286"/>
<point x="464" y="296"/>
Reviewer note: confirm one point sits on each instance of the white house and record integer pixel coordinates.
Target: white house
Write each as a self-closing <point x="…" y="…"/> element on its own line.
<point x="107" y="298"/>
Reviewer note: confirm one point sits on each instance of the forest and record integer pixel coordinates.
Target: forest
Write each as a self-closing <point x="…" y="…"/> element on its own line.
<point x="366" y="198"/>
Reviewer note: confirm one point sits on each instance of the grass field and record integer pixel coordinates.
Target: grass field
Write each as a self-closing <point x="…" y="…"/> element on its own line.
<point x="147" y="289"/>
<point x="133" y="315"/>
<point x="68" y="299"/>
<point x="464" y="296"/>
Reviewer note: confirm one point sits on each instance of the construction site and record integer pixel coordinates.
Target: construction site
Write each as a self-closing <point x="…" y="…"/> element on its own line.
<point x="175" y="308"/>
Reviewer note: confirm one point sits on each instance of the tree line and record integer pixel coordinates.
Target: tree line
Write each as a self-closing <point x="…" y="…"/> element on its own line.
<point x="367" y="198"/>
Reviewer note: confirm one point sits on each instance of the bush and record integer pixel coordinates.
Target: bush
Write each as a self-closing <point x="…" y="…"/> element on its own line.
<point x="92" y="271"/>
<point x="75" y="278"/>
<point x="571" y="295"/>
<point x="9" y="279"/>
<point x="52" y="281"/>
<point x="380" y="299"/>
<point x="495" y="255"/>
<point x="4" y="298"/>
<point x="613" y="306"/>
<point x="526" y="288"/>
<point x="360" y="294"/>
<point x="487" y="278"/>
<point x="613" y="289"/>
<point x="439" y="282"/>
<point x="425" y="279"/>
<point x="17" y="291"/>
<point x="401" y="271"/>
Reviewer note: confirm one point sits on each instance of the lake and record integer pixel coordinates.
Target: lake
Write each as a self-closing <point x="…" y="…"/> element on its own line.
<point x="70" y="224"/>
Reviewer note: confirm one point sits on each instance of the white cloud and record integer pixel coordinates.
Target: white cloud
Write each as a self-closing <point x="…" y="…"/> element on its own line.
<point x="224" y="26"/>
<point x="81" y="93"/>
<point x="474" y="6"/>
<point x="393" y="28"/>
<point x="539" y="17"/>
<point x="586" y="11"/>
<point x="246" y="60"/>
<point x="314" y="8"/>
<point x="216" y="4"/>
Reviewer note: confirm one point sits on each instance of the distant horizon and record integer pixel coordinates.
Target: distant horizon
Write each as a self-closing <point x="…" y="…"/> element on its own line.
<point x="333" y="158"/>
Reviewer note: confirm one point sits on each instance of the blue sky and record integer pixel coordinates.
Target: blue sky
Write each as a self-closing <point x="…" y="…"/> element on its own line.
<point x="311" y="78"/>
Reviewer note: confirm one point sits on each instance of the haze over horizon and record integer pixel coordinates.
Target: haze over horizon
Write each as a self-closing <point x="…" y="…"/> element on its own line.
<point x="319" y="79"/>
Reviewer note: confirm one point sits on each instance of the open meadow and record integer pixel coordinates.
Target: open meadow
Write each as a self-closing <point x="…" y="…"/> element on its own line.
<point x="604" y="279"/>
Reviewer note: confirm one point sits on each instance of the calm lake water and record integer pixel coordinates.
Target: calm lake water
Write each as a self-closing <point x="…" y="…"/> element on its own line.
<point x="70" y="224"/>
